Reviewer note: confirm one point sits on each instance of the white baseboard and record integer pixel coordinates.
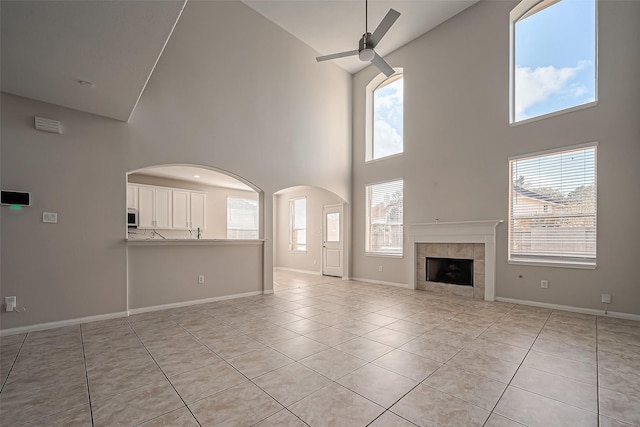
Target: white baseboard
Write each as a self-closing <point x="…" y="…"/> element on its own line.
<point x="592" y="311"/>
<point x="60" y="323"/>
<point x="192" y="302"/>
<point x="380" y="282"/>
<point x="267" y="291"/>
<point x="295" y="270"/>
<point x="77" y="321"/>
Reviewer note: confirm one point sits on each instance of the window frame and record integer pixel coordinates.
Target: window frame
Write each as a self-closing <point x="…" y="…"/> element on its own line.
<point x="373" y="85"/>
<point x="367" y="247"/>
<point x="257" y="219"/>
<point x="522" y="10"/>
<point x="293" y="231"/>
<point x="551" y="260"/>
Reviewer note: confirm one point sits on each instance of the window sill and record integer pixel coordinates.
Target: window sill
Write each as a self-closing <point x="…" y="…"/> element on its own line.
<point x="298" y="252"/>
<point x="558" y="264"/>
<point x="391" y="156"/>
<point x="383" y="255"/>
<point x="554" y="113"/>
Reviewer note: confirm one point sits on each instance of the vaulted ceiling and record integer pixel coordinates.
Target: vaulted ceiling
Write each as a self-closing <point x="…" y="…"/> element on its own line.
<point x="97" y="56"/>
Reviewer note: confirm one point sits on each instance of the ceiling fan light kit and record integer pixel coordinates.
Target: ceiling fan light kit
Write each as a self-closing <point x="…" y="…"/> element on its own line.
<point x="368" y="42"/>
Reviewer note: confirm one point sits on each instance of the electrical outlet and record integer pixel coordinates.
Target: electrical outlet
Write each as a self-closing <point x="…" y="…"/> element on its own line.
<point x="315" y="262"/>
<point x="10" y="303"/>
<point x="379" y="268"/>
<point x="544" y="284"/>
<point x="201" y="279"/>
<point x="606" y="298"/>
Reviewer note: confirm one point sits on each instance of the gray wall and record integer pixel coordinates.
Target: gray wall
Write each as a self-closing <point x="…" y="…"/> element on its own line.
<point x="162" y="274"/>
<point x="311" y="260"/>
<point x="458" y="140"/>
<point x="259" y="108"/>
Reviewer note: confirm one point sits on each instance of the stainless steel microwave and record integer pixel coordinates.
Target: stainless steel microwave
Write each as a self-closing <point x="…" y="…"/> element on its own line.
<point x="132" y="218"/>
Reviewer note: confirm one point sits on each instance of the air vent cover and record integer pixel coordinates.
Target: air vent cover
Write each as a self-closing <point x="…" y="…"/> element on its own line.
<point x="48" y="125"/>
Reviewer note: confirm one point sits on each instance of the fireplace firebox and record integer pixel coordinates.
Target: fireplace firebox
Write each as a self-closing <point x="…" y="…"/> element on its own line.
<point x="450" y="270"/>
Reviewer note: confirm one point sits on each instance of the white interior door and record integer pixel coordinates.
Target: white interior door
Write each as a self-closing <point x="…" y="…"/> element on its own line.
<point x="332" y="219"/>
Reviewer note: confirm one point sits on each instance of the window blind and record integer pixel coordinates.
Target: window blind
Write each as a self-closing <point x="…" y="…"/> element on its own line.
<point x="553" y="207"/>
<point x="298" y="222"/>
<point x="385" y="210"/>
<point x="242" y="218"/>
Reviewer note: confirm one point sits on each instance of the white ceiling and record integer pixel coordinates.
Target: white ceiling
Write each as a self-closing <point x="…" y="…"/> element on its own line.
<point x="331" y="26"/>
<point x="189" y="173"/>
<point x="48" y="47"/>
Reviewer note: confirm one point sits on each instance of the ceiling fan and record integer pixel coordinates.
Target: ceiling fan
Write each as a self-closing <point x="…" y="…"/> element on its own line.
<point x="369" y="41"/>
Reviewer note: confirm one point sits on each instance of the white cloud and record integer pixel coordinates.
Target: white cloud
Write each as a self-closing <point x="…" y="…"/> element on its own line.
<point x="387" y="140"/>
<point x="536" y="85"/>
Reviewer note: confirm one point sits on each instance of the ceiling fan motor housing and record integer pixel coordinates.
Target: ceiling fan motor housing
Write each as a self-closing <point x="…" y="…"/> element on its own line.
<point x="365" y="51"/>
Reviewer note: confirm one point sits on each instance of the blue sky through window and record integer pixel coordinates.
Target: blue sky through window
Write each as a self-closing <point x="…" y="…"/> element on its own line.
<point x="387" y="119"/>
<point x="555" y="58"/>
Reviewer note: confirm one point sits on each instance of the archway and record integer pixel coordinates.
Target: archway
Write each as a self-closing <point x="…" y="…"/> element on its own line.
<point x="300" y="226"/>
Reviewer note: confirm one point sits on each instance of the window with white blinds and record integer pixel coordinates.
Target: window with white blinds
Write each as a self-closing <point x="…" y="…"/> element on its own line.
<point x="298" y="224"/>
<point x="384" y="202"/>
<point x="242" y="218"/>
<point x="553" y="205"/>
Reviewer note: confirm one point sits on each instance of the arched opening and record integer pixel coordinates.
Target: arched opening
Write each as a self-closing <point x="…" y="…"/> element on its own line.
<point x="197" y="238"/>
<point x="310" y="234"/>
<point x="181" y="201"/>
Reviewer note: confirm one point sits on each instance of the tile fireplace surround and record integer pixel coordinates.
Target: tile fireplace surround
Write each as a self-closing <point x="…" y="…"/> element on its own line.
<point x="455" y="240"/>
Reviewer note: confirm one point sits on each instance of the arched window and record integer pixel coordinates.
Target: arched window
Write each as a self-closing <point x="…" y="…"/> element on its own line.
<point x="553" y="57"/>
<point x="385" y="99"/>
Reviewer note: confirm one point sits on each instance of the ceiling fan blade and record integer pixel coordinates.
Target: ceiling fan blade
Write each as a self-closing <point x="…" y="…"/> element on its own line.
<point x="337" y="55"/>
<point x="382" y="65"/>
<point x="383" y="27"/>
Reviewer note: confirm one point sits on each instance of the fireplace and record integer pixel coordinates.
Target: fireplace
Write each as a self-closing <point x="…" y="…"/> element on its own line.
<point x="449" y="270"/>
<point x="470" y="240"/>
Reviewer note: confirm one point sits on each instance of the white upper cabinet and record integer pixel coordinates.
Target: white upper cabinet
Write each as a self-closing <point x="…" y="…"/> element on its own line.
<point x="181" y="210"/>
<point x="169" y="208"/>
<point x="163" y="210"/>
<point x="146" y="214"/>
<point x="132" y="196"/>
<point x="154" y="207"/>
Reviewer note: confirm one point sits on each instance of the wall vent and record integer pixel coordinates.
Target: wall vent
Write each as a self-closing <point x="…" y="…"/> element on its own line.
<point x="48" y="125"/>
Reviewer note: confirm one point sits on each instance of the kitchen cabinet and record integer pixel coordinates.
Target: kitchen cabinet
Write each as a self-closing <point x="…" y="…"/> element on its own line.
<point x="162" y="206"/>
<point x="188" y="210"/>
<point x="154" y="207"/>
<point x="181" y="211"/>
<point x="132" y="196"/>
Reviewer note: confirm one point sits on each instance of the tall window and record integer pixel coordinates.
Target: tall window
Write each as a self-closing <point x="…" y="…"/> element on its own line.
<point x="553" y="57"/>
<point x="552" y="217"/>
<point x="384" y="203"/>
<point x="385" y="100"/>
<point x="242" y="218"/>
<point x="298" y="224"/>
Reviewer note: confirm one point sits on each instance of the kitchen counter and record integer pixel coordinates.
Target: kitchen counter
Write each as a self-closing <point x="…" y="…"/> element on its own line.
<point x="192" y="242"/>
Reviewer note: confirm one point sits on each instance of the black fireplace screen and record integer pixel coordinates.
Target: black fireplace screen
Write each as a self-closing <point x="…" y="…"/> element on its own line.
<point x="449" y="270"/>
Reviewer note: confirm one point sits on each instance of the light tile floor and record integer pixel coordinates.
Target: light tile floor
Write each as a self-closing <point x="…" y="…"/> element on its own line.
<point x="326" y="352"/>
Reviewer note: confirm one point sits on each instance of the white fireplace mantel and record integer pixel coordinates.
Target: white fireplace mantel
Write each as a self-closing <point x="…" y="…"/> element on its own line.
<point x="458" y="232"/>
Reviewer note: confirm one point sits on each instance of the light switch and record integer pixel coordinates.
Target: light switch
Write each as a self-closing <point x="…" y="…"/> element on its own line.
<point x="50" y="217"/>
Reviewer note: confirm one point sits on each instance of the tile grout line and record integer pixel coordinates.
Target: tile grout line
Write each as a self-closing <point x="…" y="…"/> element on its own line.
<point x="14" y="362"/>
<point x="86" y="374"/>
<point x="165" y="376"/>
<point x="241" y="373"/>
<point x="517" y="369"/>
